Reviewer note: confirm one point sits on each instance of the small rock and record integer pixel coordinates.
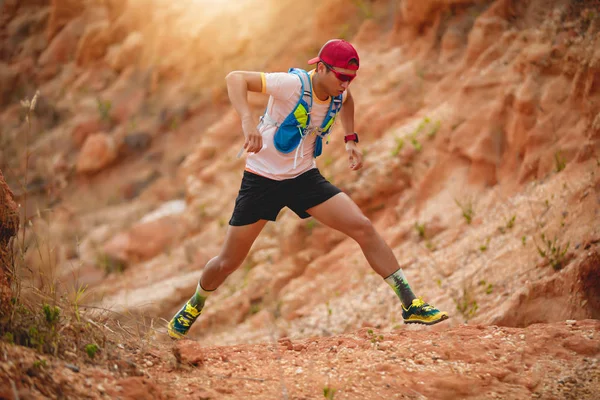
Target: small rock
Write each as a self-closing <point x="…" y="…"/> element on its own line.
<point x="299" y="347"/>
<point x="383" y="346"/>
<point x="85" y="127"/>
<point x="571" y="322"/>
<point x="299" y="370"/>
<point x="149" y="363"/>
<point x="72" y="367"/>
<point x="585" y="347"/>
<point x="135" y="142"/>
<point x="98" y="151"/>
<point x="188" y="352"/>
<point x="287" y="343"/>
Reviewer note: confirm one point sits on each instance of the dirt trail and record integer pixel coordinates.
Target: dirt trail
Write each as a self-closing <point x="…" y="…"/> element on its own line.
<point x="480" y="127"/>
<point x="559" y="360"/>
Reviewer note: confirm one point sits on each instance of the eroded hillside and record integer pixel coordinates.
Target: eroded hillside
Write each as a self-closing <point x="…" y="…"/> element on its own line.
<point x="480" y="126"/>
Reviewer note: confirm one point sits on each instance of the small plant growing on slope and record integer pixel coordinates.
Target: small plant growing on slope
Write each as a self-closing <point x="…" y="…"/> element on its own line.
<point x="416" y="144"/>
<point x="553" y="252"/>
<point x="467" y="307"/>
<point x="467" y="210"/>
<point x="329" y="393"/>
<point x="510" y="223"/>
<point x="399" y="146"/>
<point x="420" y="228"/>
<point x="489" y="288"/>
<point x="485" y="245"/>
<point x="430" y="128"/>
<point x="52" y="314"/>
<point x="78" y="297"/>
<point x="467" y="304"/>
<point x="373" y="337"/>
<point x="104" y="107"/>
<point x="559" y="161"/>
<point x="434" y="129"/>
<point x="91" y="350"/>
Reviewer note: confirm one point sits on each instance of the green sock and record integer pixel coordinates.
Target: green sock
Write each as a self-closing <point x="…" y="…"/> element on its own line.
<point x="398" y="282"/>
<point x="199" y="297"/>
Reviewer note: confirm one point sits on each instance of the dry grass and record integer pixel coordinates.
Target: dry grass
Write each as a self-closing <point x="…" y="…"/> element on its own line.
<point x="48" y="316"/>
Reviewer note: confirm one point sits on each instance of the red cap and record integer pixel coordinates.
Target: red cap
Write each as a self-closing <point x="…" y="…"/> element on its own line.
<point x="337" y="53"/>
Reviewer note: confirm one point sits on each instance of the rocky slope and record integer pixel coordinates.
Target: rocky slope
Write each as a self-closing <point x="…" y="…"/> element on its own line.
<point x="480" y="124"/>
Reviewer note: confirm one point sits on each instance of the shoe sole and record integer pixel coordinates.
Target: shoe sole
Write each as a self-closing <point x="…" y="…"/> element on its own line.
<point x="173" y="334"/>
<point x="414" y="321"/>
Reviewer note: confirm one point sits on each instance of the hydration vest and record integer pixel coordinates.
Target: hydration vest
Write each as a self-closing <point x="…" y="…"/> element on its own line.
<point x="294" y="129"/>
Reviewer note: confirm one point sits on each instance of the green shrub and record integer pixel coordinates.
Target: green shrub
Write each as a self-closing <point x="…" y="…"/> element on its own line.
<point x="91" y="350"/>
<point x="52" y="313"/>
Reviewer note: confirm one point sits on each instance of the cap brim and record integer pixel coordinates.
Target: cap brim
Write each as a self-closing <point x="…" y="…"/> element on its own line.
<point x="314" y="60"/>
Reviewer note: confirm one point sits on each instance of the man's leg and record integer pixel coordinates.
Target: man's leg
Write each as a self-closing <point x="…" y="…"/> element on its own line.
<point x="238" y="241"/>
<point x="342" y="214"/>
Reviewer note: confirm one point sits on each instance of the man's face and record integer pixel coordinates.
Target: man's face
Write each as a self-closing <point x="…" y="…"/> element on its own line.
<point x="335" y="80"/>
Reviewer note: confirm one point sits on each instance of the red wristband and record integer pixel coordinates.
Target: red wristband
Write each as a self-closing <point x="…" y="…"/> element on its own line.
<point x="352" y="137"/>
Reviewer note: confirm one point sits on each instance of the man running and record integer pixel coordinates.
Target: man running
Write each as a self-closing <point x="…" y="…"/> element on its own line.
<point x="281" y="171"/>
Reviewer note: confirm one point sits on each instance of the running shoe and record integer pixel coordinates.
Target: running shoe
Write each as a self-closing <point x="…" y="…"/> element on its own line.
<point x="420" y="312"/>
<point x="183" y="320"/>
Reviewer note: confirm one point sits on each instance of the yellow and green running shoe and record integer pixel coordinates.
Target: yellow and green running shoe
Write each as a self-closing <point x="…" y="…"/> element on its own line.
<point x="420" y="312"/>
<point x="183" y="320"/>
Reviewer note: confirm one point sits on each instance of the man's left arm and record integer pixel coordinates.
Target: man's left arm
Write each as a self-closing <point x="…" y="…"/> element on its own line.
<point x="355" y="158"/>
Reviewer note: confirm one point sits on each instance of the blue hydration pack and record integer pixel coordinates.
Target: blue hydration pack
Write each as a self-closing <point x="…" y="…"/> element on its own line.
<point x="293" y="130"/>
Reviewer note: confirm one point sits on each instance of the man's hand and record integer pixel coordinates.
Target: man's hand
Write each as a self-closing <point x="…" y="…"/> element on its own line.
<point x="355" y="157"/>
<point x="253" y="143"/>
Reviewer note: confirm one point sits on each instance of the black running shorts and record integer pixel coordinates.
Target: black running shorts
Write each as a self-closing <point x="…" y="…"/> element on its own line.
<point x="263" y="198"/>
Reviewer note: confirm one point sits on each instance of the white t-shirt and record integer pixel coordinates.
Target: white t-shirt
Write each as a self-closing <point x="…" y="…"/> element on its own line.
<point x="284" y="89"/>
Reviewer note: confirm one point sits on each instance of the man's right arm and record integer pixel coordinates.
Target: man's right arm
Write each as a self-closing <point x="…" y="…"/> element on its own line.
<point x="238" y="85"/>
